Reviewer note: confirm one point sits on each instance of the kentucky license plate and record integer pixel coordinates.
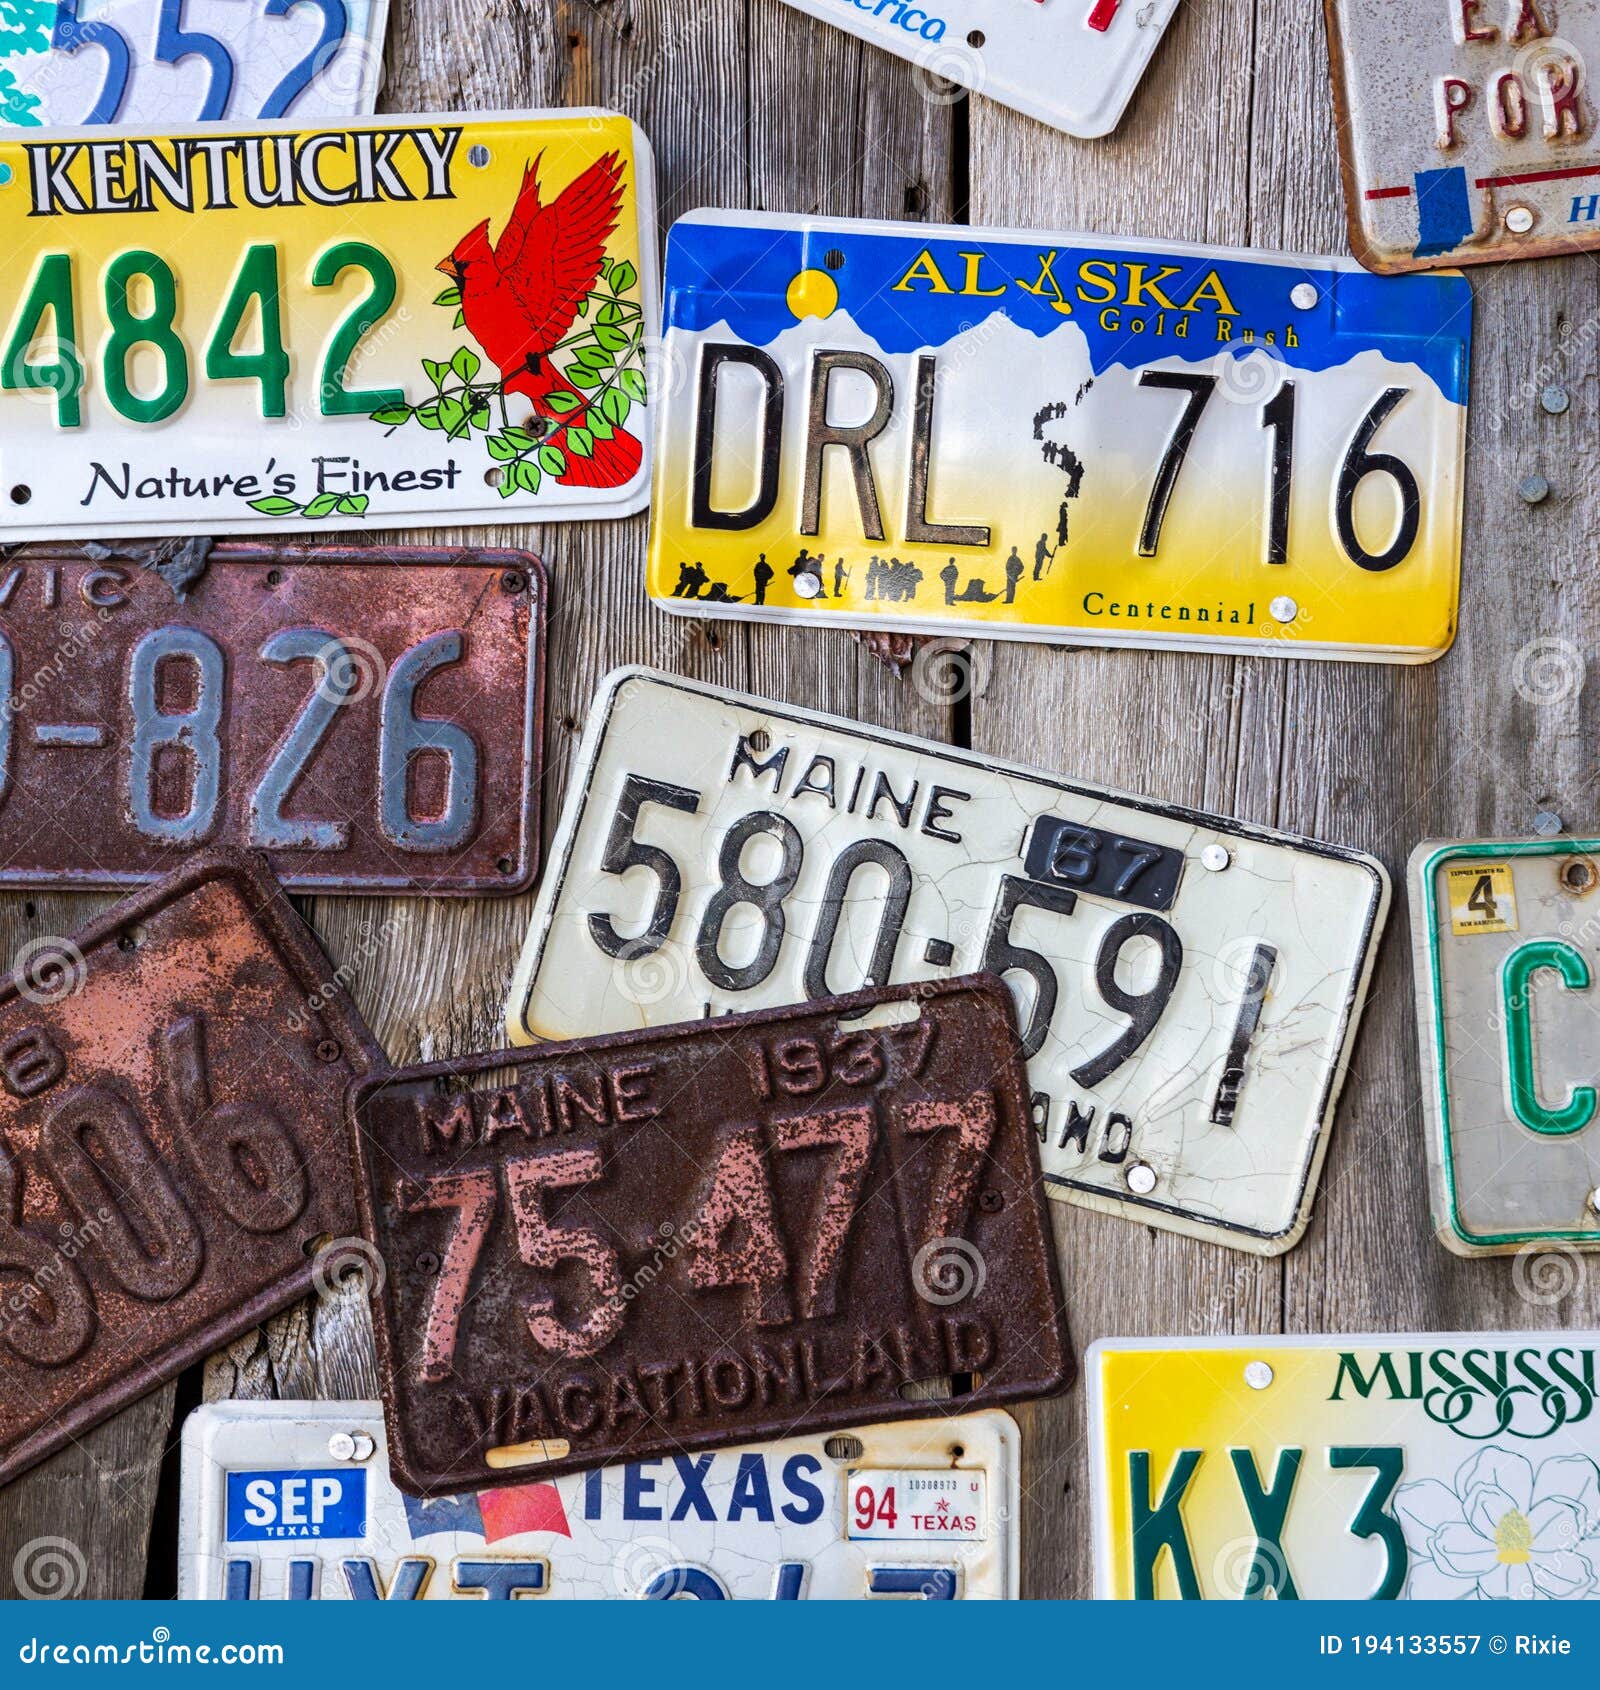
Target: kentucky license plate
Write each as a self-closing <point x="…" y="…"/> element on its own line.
<point x="1065" y="436"/>
<point x="1073" y="64"/>
<point x="651" y="1243"/>
<point x="418" y="320"/>
<point x="371" y="719"/>
<point x="1504" y="936"/>
<point x="1189" y="985"/>
<point x="1442" y="1465"/>
<point x="172" y="1145"/>
<point x="165" y="63"/>
<point x="291" y="1500"/>
<point x="1466" y="129"/>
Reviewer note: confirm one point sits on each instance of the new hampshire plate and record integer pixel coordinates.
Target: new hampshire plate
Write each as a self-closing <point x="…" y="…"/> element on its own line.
<point x="1189" y="986"/>
<point x="1073" y="64"/>
<point x="1058" y="436"/>
<point x="293" y="1499"/>
<point x="240" y="329"/>
<point x="1440" y="1465"/>
<point x="1505" y="935"/>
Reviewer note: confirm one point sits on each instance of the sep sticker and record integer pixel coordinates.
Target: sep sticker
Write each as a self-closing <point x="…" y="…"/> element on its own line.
<point x="1482" y="898"/>
<point x="266" y="1505"/>
<point x="916" y="1505"/>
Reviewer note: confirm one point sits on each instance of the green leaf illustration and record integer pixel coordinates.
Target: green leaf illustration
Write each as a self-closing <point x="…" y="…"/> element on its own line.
<point x="580" y="442"/>
<point x="460" y="321"/>
<point x="450" y="296"/>
<point x="610" y="312"/>
<point x="520" y="438"/>
<point x="526" y="475"/>
<point x="274" y="505"/>
<point x="622" y="277"/>
<point x="598" y="426"/>
<point x="507" y="484"/>
<point x="633" y="385"/>
<point x="563" y="402"/>
<point x="613" y="340"/>
<point x="500" y="449"/>
<point x="614" y="407"/>
<point x="453" y="415"/>
<point x="554" y="461"/>
<point x="428" y="415"/>
<point x="466" y="363"/>
<point x="323" y="505"/>
<point x="391" y="416"/>
<point x="436" y="371"/>
<point x="353" y="504"/>
<point x="583" y="378"/>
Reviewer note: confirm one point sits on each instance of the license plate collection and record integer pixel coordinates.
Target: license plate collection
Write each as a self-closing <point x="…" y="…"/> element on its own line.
<point x="719" y="1279"/>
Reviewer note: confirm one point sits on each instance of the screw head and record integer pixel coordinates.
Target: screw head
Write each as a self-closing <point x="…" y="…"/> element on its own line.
<point x="1547" y="824"/>
<point x="513" y="581"/>
<point x="365" y="1445"/>
<point x="342" y="1447"/>
<point x="1519" y="219"/>
<point x="991" y="1201"/>
<point x="1257" y="1375"/>
<point x="1555" y="399"/>
<point x="1215" y="857"/>
<point x="427" y="1262"/>
<point x="1594" y="1200"/>
<point x="1533" y="489"/>
<point x="1283" y="608"/>
<point x="1302" y="296"/>
<point x="1141" y="1178"/>
<point x="329" y="1050"/>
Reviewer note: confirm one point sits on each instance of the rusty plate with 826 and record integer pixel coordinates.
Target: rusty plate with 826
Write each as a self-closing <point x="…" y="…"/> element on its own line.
<point x="369" y="718"/>
<point x="172" y="1149"/>
<point x="734" y="1229"/>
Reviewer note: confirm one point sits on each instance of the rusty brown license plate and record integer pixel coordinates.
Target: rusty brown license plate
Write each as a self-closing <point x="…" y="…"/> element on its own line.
<point x="173" y="1156"/>
<point x="369" y="718"/>
<point x="736" y="1229"/>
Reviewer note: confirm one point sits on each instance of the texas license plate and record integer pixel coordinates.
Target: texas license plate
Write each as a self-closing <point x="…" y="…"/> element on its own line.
<point x="1189" y="985"/>
<point x="164" y="63"/>
<point x="1504" y="933"/>
<point x="292" y="1500"/>
<point x="1432" y="1465"/>
<point x="642" y="1245"/>
<point x="1073" y="64"/>
<point x="1116" y="443"/>
<point x="172" y="1148"/>
<point x="1466" y="131"/>
<point x="375" y="726"/>
<point x="419" y="320"/>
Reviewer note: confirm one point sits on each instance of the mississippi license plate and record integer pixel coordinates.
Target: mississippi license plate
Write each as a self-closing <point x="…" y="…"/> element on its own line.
<point x="292" y="1500"/>
<point x="651" y="1243"/>
<point x="1189" y="986"/>
<point x="1504" y="933"/>
<point x="1466" y="130"/>
<point x="372" y="720"/>
<point x="172" y="1147"/>
<point x="165" y="63"/>
<point x="1431" y="1465"/>
<point x="418" y="320"/>
<point x="1066" y="436"/>
<point x="1073" y="64"/>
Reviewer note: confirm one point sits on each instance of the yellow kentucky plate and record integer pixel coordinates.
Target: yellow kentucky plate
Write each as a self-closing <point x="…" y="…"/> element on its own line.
<point x="1430" y="1465"/>
<point x="1042" y="436"/>
<point x="411" y="320"/>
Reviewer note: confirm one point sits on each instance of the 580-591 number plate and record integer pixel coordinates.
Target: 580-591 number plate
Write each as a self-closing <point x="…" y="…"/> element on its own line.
<point x="171" y="1141"/>
<point x="372" y="720"/>
<point x="651" y="1243"/>
<point x="1190" y="984"/>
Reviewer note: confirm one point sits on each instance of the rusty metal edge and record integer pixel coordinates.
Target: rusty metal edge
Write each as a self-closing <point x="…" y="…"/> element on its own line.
<point x="475" y="1475"/>
<point x="1361" y="248"/>
<point x="305" y="960"/>
<point x="531" y="848"/>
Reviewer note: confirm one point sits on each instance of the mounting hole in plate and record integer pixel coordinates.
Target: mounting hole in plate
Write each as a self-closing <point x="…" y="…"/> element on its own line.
<point x="845" y="1449"/>
<point x="492" y="476"/>
<point x="1578" y="874"/>
<point x="833" y="259"/>
<point x="478" y="156"/>
<point x="975" y="38"/>
<point x="21" y="493"/>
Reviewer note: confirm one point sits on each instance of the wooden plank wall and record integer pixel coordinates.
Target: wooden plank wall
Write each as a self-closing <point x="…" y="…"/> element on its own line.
<point x="1231" y="140"/>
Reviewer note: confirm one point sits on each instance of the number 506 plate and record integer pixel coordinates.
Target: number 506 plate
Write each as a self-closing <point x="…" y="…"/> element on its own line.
<point x="1189" y="985"/>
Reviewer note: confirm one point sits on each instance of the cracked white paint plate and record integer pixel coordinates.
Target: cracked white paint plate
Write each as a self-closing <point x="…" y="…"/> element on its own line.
<point x="1073" y="64"/>
<point x="1188" y="986"/>
<point x="293" y="1499"/>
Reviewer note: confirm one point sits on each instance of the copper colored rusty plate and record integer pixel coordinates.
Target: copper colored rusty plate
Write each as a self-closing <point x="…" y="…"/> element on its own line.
<point x="736" y="1229"/>
<point x="171" y="1090"/>
<point x="372" y="719"/>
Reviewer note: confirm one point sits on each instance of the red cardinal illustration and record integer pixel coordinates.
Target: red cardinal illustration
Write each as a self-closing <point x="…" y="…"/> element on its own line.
<point x="521" y="295"/>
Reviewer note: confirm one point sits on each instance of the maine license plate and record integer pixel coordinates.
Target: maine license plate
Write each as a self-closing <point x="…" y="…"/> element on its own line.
<point x="268" y="327"/>
<point x="172" y="1144"/>
<point x="1466" y="130"/>
<point x="1112" y="443"/>
<point x="292" y="1500"/>
<point x="1189" y="986"/>
<point x="644" y="1244"/>
<point x="163" y="63"/>
<point x="1431" y="1465"/>
<point x="1073" y="64"/>
<point x="1505" y="935"/>
<point x="371" y="720"/>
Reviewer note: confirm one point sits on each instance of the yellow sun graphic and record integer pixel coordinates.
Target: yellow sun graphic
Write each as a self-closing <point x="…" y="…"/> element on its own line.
<point x="812" y="294"/>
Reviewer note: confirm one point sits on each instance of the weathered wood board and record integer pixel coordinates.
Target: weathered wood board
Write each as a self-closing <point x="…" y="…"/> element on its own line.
<point x="1231" y="139"/>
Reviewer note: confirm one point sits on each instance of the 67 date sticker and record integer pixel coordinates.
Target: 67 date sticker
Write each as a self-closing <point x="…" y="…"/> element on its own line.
<point x="916" y="1505"/>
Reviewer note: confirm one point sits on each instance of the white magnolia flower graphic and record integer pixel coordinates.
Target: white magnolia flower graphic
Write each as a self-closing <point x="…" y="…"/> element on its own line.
<point x="1504" y="1529"/>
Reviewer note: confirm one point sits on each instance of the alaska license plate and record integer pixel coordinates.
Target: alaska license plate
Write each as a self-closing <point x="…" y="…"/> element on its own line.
<point x="1504" y="934"/>
<point x="172" y="1143"/>
<point x="247" y="328"/>
<point x="291" y="1500"/>
<point x="164" y="63"/>
<point x="371" y="720"/>
<point x="1189" y="986"/>
<point x="644" y="1244"/>
<point x="1073" y="64"/>
<point x="1466" y="130"/>
<point x="1059" y="436"/>
<point x="1430" y="1466"/>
